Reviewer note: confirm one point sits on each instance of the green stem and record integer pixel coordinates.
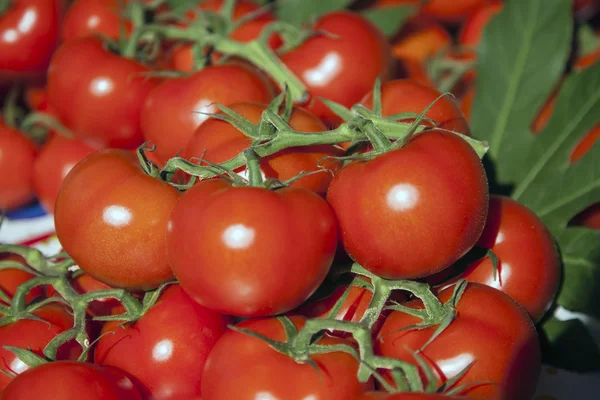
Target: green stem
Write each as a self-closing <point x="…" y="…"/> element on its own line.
<point x="253" y="168"/>
<point x="4" y="6"/>
<point x="137" y="21"/>
<point x="379" y="141"/>
<point x="47" y="121"/>
<point x="10" y="107"/>
<point x="227" y="9"/>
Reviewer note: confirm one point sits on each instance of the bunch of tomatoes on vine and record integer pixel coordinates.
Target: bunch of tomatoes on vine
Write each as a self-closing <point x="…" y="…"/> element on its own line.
<point x="251" y="209"/>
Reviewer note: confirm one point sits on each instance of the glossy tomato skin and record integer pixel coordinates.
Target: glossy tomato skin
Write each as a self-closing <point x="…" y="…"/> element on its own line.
<point x="68" y="380"/>
<point x="344" y="68"/>
<point x="175" y="108"/>
<point x="29" y="333"/>
<point x="396" y="210"/>
<point x="166" y="358"/>
<point x="112" y="219"/>
<point x="472" y="30"/>
<point x="232" y="371"/>
<point x="30" y="33"/>
<point x="97" y="94"/>
<point x="421" y="43"/>
<point x="58" y="156"/>
<point x="92" y="17"/>
<point x="529" y="267"/>
<point x="17" y="155"/>
<point x="405" y="396"/>
<point x="407" y="95"/>
<point x="11" y="278"/>
<point x="490" y="329"/>
<point x="247" y="251"/>
<point x="218" y="141"/>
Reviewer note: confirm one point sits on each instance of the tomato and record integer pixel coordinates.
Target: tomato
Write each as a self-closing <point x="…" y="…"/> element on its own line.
<point x="112" y="219"/>
<point x="405" y="95"/>
<point x="589" y="217"/>
<point x="174" y="109"/>
<point x="17" y="155"/>
<point x="491" y="331"/>
<point x="67" y="380"/>
<point x="472" y="30"/>
<point x="58" y="156"/>
<point x="443" y="10"/>
<point x="30" y="33"/>
<point x="218" y="141"/>
<point x="92" y="17"/>
<point x="241" y="237"/>
<point x="11" y="278"/>
<point x="341" y="68"/>
<point x="399" y="215"/>
<point x="165" y="358"/>
<point x="422" y="43"/>
<point x="466" y="103"/>
<point x="529" y="266"/>
<point x="35" y="335"/>
<point x="405" y="396"/>
<point x="36" y="97"/>
<point x="242" y="367"/>
<point x="97" y="94"/>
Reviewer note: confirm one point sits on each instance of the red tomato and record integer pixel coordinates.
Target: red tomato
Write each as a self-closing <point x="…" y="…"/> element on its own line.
<point x="218" y="141"/>
<point x="422" y="43"/>
<point x="405" y="95"/>
<point x="396" y="210"/>
<point x="66" y="380"/>
<point x="174" y="109"/>
<point x="112" y="219"/>
<point x="11" y="278"/>
<point x="443" y="10"/>
<point x="529" y="266"/>
<point x="405" y="396"/>
<point x="344" y="68"/>
<point x="466" y="103"/>
<point x="92" y="17"/>
<point x="35" y="335"/>
<point x="30" y="33"/>
<point x="490" y="329"/>
<point x="166" y="358"/>
<point x="588" y="60"/>
<point x="471" y="31"/>
<point x="36" y="97"/>
<point x="590" y="217"/>
<point x="97" y="94"/>
<point x="242" y="237"/>
<point x="58" y="156"/>
<point x="245" y="368"/>
<point x="17" y="155"/>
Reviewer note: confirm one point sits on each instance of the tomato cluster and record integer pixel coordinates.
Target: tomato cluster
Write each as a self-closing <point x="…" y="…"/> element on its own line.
<point x="254" y="211"/>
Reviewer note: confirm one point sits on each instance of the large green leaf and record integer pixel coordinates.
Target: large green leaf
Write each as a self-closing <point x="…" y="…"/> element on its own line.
<point x="389" y="19"/>
<point x="568" y="344"/>
<point x="297" y="12"/>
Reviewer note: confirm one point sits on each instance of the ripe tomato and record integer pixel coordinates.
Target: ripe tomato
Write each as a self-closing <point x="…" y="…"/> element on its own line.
<point x="30" y="33"/>
<point x="112" y="219"/>
<point x="466" y="103"/>
<point x="491" y="331"/>
<point x="589" y="217"/>
<point x="174" y="109"/>
<point x="405" y="396"/>
<point x="396" y="211"/>
<point x="92" y="17"/>
<point x="11" y="278"/>
<point x="218" y="141"/>
<point x="443" y="10"/>
<point x="35" y="335"/>
<point x="227" y="246"/>
<point x="67" y="380"/>
<point x="58" y="156"/>
<point x="36" y="97"/>
<point x="471" y="31"/>
<point x="232" y="371"/>
<point x="17" y="155"/>
<point x="167" y="359"/>
<point x="421" y="43"/>
<point x="344" y="68"/>
<point x="528" y="261"/>
<point x="405" y="95"/>
<point x="97" y="94"/>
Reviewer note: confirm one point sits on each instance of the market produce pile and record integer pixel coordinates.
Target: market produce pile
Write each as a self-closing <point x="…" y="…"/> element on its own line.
<point x="299" y="199"/>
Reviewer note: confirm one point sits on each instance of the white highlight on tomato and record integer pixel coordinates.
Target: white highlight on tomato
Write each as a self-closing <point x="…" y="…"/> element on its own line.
<point x="499" y="238"/>
<point x="10" y="36"/>
<point x="453" y="366"/>
<point x="163" y="350"/>
<point x="101" y="86"/>
<point x="402" y="197"/>
<point x="310" y="397"/>
<point x="116" y="215"/>
<point x="329" y="68"/>
<point x="504" y="272"/>
<point x="265" y="396"/>
<point x="93" y="21"/>
<point x="18" y="366"/>
<point x="125" y="383"/>
<point x="203" y="106"/>
<point x="238" y="236"/>
<point x="28" y="20"/>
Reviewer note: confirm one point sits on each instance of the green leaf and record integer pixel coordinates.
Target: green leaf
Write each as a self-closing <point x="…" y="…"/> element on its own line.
<point x="181" y="6"/>
<point x="297" y="12"/>
<point x="569" y="345"/>
<point x="389" y="19"/>
<point x="587" y="40"/>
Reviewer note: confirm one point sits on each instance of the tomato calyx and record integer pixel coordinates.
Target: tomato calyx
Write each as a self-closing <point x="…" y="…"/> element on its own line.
<point x="5" y="5"/>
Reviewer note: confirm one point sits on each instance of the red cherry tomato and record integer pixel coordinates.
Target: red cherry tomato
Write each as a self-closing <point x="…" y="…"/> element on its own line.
<point x="218" y="141"/>
<point x="466" y="103"/>
<point x="174" y="109"/>
<point x="242" y="236"/>
<point x="112" y="219"/>
<point x="66" y="380"/>
<point x="405" y="396"/>
<point x="395" y="210"/>
<point x="35" y="335"/>
<point x="92" y="17"/>
<point x="443" y="10"/>
<point x="97" y="94"/>
<point x="471" y="31"/>
<point x="29" y="32"/>
<point x="58" y="156"/>
<point x="11" y="278"/>
<point x="341" y="68"/>
<point x="528" y="261"/>
<point x="491" y="331"/>
<point x="233" y="369"/>
<point x="421" y="43"/>
<point x="166" y="358"/>
<point x="405" y="95"/>
<point x="17" y="155"/>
